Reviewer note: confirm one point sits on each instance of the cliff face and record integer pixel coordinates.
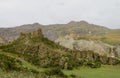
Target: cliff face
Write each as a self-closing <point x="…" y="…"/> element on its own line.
<point x="118" y="50"/>
<point x="99" y="47"/>
<point x="2" y="41"/>
<point x="90" y="56"/>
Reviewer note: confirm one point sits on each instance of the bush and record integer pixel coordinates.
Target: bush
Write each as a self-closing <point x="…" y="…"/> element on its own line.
<point x="73" y="76"/>
<point x="55" y="71"/>
<point x="95" y="64"/>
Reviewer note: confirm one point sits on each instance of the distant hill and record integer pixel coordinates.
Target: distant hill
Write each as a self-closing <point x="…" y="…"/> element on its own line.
<point x="54" y="31"/>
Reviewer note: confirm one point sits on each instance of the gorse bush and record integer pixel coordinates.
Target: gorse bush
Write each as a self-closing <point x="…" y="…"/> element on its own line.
<point x="55" y="71"/>
<point x="9" y="63"/>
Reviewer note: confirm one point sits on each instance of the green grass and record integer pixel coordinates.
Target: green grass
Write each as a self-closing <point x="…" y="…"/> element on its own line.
<point x="16" y="74"/>
<point x="103" y="72"/>
<point x="25" y="63"/>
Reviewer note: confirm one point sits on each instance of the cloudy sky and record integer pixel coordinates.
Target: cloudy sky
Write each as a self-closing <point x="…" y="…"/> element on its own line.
<point x="100" y="12"/>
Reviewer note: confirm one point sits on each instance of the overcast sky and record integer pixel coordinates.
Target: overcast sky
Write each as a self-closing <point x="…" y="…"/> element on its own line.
<point x="100" y="12"/>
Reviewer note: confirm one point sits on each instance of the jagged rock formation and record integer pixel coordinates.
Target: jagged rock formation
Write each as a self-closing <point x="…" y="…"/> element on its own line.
<point x="90" y="56"/>
<point x="2" y="41"/>
<point x="98" y="47"/>
<point x="118" y="50"/>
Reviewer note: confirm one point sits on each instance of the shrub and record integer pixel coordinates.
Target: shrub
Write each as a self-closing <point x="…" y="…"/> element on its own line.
<point x="95" y="64"/>
<point x="73" y="76"/>
<point x="55" y="71"/>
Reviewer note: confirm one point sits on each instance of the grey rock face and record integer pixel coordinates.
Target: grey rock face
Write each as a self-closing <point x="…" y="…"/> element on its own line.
<point x="89" y="45"/>
<point x="118" y="50"/>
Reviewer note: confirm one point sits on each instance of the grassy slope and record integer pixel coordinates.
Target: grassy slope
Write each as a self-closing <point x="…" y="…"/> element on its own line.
<point x="112" y="37"/>
<point x="31" y="72"/>
<point x="15" y="74"/>
<point x="24" y="63"/>
<point x="103" y="72"/>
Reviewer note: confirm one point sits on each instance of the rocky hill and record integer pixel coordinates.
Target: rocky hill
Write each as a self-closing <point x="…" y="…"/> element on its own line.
<point x="35" y="53"/>
<point x="37" y="50"/>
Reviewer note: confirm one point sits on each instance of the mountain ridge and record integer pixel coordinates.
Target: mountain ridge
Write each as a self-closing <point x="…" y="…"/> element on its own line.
<point x="9" y="34"/>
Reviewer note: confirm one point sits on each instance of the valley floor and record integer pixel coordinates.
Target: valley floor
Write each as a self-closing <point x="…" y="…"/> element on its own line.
<point x="106" y="71"/>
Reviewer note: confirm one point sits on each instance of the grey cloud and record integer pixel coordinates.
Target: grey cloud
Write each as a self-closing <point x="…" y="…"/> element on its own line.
<point x="18" y="12"/>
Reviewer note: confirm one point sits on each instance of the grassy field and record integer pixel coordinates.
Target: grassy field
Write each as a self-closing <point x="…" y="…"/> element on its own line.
<point x="16" y="74"/>
<point x="103" y="72"/>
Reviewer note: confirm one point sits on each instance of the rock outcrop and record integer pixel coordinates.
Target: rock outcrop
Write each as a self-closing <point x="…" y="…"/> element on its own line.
<point x="98" y="47"/>
<point x="2" y="41"/>
<point x="118" y="50"/>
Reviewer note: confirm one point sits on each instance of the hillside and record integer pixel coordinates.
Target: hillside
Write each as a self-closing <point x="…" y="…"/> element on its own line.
<point x="34" y="53"/>
<point x="36" y="49"/>
<point x="37" y="54"/>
